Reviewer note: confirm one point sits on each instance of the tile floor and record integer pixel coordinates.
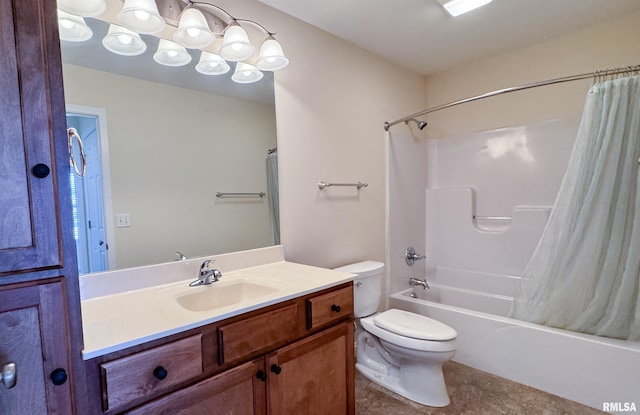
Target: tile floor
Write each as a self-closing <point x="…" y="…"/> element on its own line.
<point x="472" y="392"/>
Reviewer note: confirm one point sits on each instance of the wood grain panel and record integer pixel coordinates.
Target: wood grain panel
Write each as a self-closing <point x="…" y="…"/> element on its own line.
<point x="20" y="343"/>
<point x="256" y="334"/>
<point x="15" y="223"/>
<point x="30" y="234"/>
<point x="34" y="336"/>
<point x="321" y="310"/>
<point x="315" y="378"/>
<point x="131" y="377"/>
<point x="236" y="391"/>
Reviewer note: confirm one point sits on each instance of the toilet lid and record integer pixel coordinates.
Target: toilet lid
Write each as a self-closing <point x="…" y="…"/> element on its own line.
<point x="414" y="325"/>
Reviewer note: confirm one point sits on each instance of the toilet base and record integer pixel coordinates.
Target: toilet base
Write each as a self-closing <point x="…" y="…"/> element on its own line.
<point x="416" y="375"/>
<point x="392" y="383"/>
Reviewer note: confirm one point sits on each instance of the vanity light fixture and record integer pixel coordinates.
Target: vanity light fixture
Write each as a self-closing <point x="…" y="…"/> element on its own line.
<point x="171" y="54"/>
<point x="141" y="16"/>
<point x="73" y="28"/>
<point x="236" y="45"/>
<point x="271" y="57"/>
<point x="458" y="7"/>
<point x="123" y="41"/>
<point x="84" y="8"/>
<point x="193" y="31"/>
<point x="212" y="64"/>
<point x="198" y="24"/>
<point x="246" y="73"/>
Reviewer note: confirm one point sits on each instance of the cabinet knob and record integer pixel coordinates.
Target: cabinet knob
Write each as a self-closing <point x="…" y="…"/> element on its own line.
<point x="160" y="373"/>
<point x="275" y="369"/>
<point x="335" y="307"/>
<point x="8" y="375"/>
<point x="59" y="376"/>
<point x="40" y="170"/>
<point x="262" y="375"/>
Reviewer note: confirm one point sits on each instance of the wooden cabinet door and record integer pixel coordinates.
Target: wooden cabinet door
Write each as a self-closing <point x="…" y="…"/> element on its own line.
<point x="33" y="335"/>
<point x="31" y="91"/>
<point x="314" y="376"/>
<point x="236" y="391"/>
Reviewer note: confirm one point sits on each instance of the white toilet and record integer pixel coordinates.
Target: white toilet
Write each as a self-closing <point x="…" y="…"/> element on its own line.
<point x="399" y="350"/>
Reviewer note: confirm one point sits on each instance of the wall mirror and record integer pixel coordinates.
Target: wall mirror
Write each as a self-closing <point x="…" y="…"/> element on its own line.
<point x="173" y="139"/>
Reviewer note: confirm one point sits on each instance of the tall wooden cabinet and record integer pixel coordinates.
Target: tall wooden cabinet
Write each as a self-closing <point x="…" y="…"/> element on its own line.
<point x="40" y="322"/>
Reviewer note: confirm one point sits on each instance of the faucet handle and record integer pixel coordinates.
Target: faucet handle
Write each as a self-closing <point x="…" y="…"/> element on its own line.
<point x="410" y="256"/>
<point x="216" y="275"/>
<point x="205" y="265"/>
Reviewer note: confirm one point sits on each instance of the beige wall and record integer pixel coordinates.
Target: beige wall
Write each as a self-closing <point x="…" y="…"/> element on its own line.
<point x="331" y="103"/>
<point x="333" y="98"/>
<point x="611" y="44"/>
<point x="171" y="149"/>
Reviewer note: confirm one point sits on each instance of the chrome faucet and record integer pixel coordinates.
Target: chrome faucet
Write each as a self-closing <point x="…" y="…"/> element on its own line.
<point x="415" y="281"/>
<point x="206" y="276"/>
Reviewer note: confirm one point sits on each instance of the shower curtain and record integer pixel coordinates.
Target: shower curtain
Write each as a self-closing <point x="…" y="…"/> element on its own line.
<point x="585" y="272"/>
<point x="274" y="201"/>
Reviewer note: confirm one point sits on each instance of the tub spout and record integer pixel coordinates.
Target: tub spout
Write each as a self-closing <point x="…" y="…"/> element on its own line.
<point x="415" y="281"/>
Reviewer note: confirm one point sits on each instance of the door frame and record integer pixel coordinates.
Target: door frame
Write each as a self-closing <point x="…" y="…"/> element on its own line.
<point x="101" y="126"/>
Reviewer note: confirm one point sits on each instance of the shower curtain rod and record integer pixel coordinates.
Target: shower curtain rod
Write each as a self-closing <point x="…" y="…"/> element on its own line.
<point x="596" y="74"/>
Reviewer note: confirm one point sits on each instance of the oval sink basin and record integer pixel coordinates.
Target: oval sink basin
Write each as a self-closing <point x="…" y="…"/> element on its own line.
<point x="216" y="295"/>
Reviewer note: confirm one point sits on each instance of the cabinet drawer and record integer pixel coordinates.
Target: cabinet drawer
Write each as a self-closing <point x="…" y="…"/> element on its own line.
<point x="145" y="373"/>
<point x="329" y="307"/>
<point x="236" y="391"/>
<point x="256" y="334"/>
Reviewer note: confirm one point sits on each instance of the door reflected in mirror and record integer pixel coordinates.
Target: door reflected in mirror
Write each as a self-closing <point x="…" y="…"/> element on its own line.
<point x="175" y="139"/>
<point x="87" y="189"/>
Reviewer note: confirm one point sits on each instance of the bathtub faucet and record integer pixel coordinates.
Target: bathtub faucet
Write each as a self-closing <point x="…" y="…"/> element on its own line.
<point x="415" y="281"/>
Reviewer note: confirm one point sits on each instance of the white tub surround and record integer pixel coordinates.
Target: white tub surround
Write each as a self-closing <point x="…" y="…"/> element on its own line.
<point x="483" y="200"/>
<point x="588" y="369"/>
<point x="124" y="308"/>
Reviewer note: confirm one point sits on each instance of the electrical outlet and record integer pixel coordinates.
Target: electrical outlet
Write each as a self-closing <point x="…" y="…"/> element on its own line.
<point x="123" y="220"/>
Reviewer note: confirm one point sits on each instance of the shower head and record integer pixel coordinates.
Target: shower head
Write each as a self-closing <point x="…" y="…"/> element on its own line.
<point x="420" y="124"/>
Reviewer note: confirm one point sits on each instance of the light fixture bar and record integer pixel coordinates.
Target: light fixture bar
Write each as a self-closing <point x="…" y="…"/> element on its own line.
<point x="198" y="25"/>
<point x="458" y="7"/>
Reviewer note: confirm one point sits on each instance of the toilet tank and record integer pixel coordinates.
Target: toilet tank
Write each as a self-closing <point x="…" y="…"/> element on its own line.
<point x="367" y="287"/>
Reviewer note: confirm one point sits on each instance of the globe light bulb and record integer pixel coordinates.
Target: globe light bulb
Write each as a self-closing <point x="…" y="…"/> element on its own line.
<point x="67" y="24"/>
<point x="142" y="15"/>
<point x="125" y="39"/>
<point x="194" y="32"/>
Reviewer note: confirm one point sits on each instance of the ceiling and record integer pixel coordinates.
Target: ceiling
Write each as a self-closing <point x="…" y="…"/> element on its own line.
<point x="421" y="36"/>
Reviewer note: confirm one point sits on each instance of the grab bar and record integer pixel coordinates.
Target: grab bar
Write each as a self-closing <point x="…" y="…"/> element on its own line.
<point x="259" y="194"/>
<point x="359" y="185"/>
<point x="491" y="217"/>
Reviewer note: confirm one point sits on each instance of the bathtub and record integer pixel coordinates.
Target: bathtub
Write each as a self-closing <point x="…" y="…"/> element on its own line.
<point x="598" y="372"/>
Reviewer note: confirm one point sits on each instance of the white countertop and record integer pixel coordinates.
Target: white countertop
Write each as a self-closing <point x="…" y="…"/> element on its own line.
<point x="117" y="321"/>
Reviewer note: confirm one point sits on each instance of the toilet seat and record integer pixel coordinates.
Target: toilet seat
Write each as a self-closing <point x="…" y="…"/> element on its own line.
<point x="414" y="325"/>
<point x="368" y="323"/>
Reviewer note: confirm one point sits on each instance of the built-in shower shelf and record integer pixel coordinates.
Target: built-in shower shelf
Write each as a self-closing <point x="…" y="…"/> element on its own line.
<point x="459" y="238"/>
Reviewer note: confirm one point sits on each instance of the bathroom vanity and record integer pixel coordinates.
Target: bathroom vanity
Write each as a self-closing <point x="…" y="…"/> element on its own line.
<point x="279" y="340"/>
